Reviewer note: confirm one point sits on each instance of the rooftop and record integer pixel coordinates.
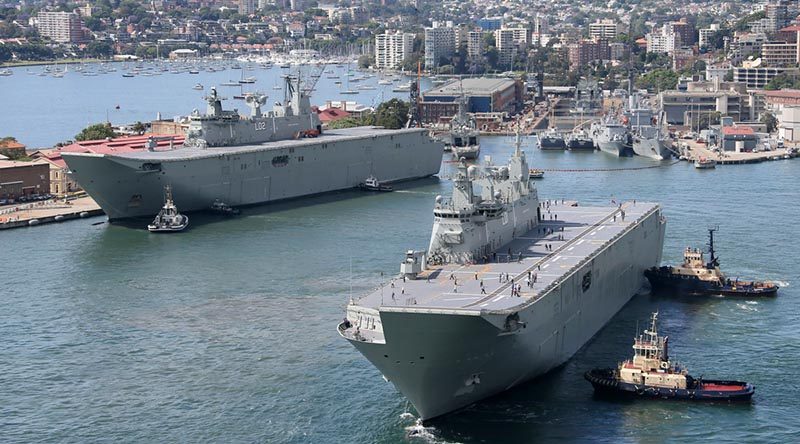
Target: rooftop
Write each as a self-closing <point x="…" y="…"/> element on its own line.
<point x="739" y="130"/>
<point x="472" y="86"/>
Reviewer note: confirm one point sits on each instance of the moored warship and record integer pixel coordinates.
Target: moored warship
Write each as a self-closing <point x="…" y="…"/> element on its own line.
<point x="508" y="289"/>
<point x="611" y="136"/>
<point x="266" y="157"/>
<point x="464" y="135"/>
<point x="649" y="138"/>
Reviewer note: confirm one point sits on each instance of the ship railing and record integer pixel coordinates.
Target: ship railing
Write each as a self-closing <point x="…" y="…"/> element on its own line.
<point x="575" y="268"/>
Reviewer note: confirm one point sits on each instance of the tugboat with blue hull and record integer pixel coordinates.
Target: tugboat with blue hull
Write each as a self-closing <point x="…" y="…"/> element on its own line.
<point x="695" y="276"/>
<point x="651" y="374"/>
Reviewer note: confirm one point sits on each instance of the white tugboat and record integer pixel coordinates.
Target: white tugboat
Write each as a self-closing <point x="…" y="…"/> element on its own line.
<point x="168" y="219"/>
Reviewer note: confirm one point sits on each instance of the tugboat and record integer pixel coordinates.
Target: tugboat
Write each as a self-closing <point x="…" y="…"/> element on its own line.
<point x="695" y="276"/>
<point x="373" y="184"/>
<point x="533" y="173"/>
<point x="222" y="208"/>
<point x="651" y="374"/>
<point x="168" y="219"/>
<point x="705" y="163"/>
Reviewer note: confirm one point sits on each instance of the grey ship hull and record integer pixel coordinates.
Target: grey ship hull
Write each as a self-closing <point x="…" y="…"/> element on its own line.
<point x="615" y="147"/>
<point x="658" y="149"/>
<point x="131" y="185"/>
<point x="444" y="359"/>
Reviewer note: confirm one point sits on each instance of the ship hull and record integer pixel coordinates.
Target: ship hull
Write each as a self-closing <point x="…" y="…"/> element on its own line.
<point x="443" y="361"/>
<point x="605" y="383"/>
<point x="132" y="186"/>
<point x="662" y="280"/>
<point x="616" y="148"/>
<point x="657" y="149"/>
<point x="581" y="145"/>
<point x="552" y="143"/>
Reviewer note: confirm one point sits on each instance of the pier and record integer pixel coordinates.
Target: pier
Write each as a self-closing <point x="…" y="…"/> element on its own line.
<point x="38" y="213"/>
<point x="694" y="151"/>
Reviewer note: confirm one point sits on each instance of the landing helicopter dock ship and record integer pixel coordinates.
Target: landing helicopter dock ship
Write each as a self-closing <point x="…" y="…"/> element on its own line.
<point x="509" y="288"/>
<point x="266" y="157"/>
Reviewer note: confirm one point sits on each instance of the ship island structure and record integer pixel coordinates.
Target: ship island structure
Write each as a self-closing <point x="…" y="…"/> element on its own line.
<point x="509" y="288"/>
<point x="264" y="157"/>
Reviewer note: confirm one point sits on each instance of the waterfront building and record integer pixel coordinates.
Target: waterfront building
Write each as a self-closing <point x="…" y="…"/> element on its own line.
<point x="392" y="48"/>
<point x="61" y="27"/>
<point x="482" y="95"/>
<point x="440" y="42"/>
<point x="18" y="179"/>
<point x="605" y="28"/>
<point x="705" y="98"/>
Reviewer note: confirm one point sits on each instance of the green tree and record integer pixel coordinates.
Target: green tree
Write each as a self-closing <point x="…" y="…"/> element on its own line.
<point x="392" y="114"/>
<point x="658" y="80"/>
<point x="770" y="121"/>
<point x="5" y="54"/>
<point x="783" y="81"/>
<point x="139" y="128"/>
<point x="96" y="132"/>
<point x="347" y="122"/>
<point x="365" y="61"/>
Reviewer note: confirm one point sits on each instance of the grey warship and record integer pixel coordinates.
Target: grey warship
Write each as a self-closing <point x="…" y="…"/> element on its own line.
<point x="265" y="157"/>
<point x="509" y="288"/>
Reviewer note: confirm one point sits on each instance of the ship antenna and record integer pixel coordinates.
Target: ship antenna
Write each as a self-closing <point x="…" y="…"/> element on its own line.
<point x="713" y="260"/>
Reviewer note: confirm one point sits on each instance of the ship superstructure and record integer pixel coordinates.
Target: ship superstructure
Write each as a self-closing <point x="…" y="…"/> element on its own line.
<point x="265" y="157"/>
<point x="464" y="134"/>
<point x="509" y="288"/>
<point x="646" y="126"/>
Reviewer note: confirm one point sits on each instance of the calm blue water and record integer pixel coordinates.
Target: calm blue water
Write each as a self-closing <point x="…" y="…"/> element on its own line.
<point x="227" y="332"/>
<point x="41" y="111"/>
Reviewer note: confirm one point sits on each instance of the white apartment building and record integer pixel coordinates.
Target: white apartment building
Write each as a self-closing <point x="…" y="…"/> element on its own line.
<point x="392" y="49"/>
<point x="705" y="34"/>
<point x="61" y="27"/>
<point x="661" y="42"/>
<point x="606" y="29"/>
<point x="440" y="41"/>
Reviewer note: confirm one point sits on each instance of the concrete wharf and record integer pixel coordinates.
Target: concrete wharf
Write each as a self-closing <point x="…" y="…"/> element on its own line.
<point x="38" y="213"/>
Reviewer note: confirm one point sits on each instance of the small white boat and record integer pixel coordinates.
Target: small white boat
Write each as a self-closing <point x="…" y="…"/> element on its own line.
<point x="168" y="219"/>
<point x="349" y="92"/>
<point x="705" y="164"/>
<point x="373" y="184"/>
<point x="535" y="174"/>
<point x="198" y="87"/>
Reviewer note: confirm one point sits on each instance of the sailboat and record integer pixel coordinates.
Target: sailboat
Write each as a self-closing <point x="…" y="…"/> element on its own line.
<point x="347" y="90"/>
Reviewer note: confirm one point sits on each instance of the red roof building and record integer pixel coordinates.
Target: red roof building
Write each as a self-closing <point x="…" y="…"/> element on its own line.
<point x="331" y="114"/>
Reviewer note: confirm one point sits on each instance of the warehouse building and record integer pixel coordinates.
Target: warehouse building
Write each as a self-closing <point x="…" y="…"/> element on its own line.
<point x="482" y="94"/>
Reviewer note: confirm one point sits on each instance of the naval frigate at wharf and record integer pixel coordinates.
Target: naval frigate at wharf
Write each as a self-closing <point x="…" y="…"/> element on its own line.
<point x="509" y="288"/>
<point x="266" y="157"/>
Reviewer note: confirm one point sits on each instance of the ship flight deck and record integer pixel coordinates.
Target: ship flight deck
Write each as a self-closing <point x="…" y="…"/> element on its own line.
<point x="457" y="288"/>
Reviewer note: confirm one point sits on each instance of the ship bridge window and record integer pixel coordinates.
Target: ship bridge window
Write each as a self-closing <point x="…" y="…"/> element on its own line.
<point x="280" y="161"/>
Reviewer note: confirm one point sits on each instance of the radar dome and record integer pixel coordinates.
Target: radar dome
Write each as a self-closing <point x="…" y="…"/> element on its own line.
<point x="439" y="199"/>
<point x="472" y="171"/>
<point x="497" y="195"/>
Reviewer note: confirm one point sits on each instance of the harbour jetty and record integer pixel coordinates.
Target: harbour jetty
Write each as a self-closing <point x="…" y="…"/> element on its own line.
<point x="693" y="150"/>
<point x="38" y="213"/>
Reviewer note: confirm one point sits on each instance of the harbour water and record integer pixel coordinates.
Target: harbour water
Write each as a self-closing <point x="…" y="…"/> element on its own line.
<point x="226" y="332"/>
<point x="48" y="110"/>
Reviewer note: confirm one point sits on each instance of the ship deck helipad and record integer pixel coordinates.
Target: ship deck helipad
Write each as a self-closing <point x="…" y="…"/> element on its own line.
<point x="458" y="287"/>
